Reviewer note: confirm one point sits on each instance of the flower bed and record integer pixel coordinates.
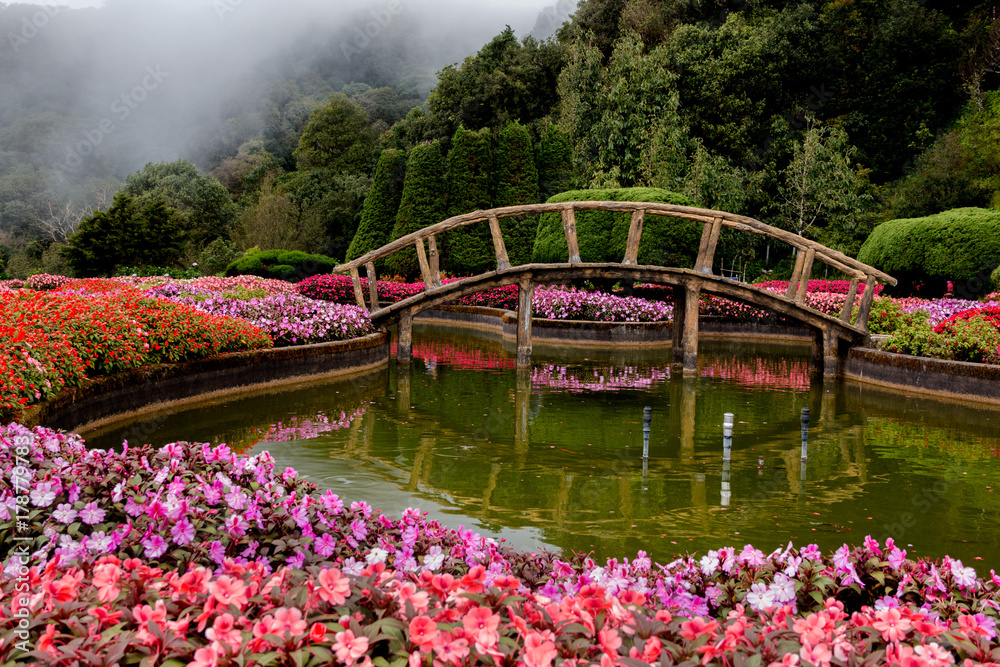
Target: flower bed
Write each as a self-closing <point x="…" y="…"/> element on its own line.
<point x="51" y="340"/>
<point x="823" y="286"/>
<point x="196" y="555"/>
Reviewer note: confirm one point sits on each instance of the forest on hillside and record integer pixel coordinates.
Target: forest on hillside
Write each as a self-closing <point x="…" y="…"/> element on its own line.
<point x="822" y="117"/>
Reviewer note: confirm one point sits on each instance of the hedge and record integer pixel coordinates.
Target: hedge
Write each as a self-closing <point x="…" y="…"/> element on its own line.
<point x="517" y="183"/>
<point x="603" y="235"/>
<point x="422" y="204"/>
<point x="961" y="245"/>
<point x="290" y="265"/>
<point x="469" y="250"/>
<point x="379" y="213"/>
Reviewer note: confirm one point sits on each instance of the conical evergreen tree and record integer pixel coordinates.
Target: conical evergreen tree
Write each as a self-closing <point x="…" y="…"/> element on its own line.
<point x="425" y="190"/>
<point x="517" y="183"/>
<point x="469" y="250"/>
<point x="378" y="217"/>
<point x="555" y="162"/>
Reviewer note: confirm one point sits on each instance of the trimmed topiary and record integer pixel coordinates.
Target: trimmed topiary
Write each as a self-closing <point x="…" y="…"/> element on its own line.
<point x="422" y="203"/>
<point x="378" y="216"/>
<point x="602" y="235"/>
<point x="555" y="162"/>
<point x="288" y="265"/>
<point x="961" y="245"/>
<point x="517" y="183"/>
<point x="469" y="250"/>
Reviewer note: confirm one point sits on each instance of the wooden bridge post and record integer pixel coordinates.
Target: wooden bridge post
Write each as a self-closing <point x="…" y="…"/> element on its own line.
<point x="525" y="290"/>
<point x="864" y="310"/>
<point x="569" y="230"/>
<point x="503" y="262"/>
<point x="690" y="334"/>
<point x="852" y="293"/>
<point x="356" y="283"/>
<point x="372" y="285"/>
<point x="709" y="242"/>
<point x="404" y="340"/>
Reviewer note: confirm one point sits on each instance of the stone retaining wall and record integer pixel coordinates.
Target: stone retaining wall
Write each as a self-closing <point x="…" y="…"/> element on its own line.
<point x="166" y="384"/>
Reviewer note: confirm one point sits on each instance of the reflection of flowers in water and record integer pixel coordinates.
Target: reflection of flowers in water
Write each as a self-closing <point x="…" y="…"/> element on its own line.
<point x="436" y="352"/>
<point x="760" y="372"/>
<point x="307" y="429"/>
<point x="603" y="379"/>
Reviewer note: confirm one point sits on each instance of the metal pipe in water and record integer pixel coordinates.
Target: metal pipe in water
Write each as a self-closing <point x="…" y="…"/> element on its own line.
<point x="805" y="433"/>
<point x="647" y="420"/>
<point x="727" y="436"/>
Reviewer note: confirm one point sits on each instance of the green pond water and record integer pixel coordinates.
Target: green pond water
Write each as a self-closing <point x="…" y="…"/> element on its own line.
<point x="551" y="457"/>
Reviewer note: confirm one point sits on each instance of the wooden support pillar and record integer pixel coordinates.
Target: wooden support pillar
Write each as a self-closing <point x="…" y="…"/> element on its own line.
<point x="709" y="242"/>
<point x="503" y="262"/>
<point x="524" y="293"/>
<point x="831" y="354"/>
<point x="404" y="340"/>
<point x="569" y="229"/>
<point x="435" y="261"/>
<point x="677" y="347"/>
<point x="807" y="265"/>
<point x="866" y="303"/>
<point x="816" y="358"/>
<point x="690" y="333"/>
<point x="852" y="294"/>
<point x="796" y="274"/>
<point x="634" y="237"/>
<point x="356" y="283"/>
<point x="372" y="286"/>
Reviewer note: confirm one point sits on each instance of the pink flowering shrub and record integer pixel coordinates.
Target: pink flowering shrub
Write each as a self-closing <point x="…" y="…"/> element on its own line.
<point x="559" y="303"/>
<point x="827" y="286"/>
<point x="44" y="281"/>
<point x="13" y="283"/>
<point x="195" y="555"/>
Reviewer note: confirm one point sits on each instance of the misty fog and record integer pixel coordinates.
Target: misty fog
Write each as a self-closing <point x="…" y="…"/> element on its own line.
<point x="103" y="90"/>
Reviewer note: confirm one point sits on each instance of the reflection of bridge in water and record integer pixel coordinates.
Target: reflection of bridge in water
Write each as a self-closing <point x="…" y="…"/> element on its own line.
<point x="623" y="483"/>
<point x="832" y="335"/>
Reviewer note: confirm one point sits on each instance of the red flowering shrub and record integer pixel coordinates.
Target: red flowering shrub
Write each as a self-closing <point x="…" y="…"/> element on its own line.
<point x="990" y="313"/>
<point x="831" y="286"/>
<point x="53" y="339"/>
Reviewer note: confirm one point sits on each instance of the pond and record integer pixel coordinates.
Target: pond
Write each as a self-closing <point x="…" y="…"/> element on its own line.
<point x="551" y="457"/>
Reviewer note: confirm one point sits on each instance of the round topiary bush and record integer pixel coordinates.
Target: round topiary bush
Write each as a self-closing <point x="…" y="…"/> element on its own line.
<point x="290" y="265"/>
<point x="603" y="235"/>
<point x="961" y="245"/>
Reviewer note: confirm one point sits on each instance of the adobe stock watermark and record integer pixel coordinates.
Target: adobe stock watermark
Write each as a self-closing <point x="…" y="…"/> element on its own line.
<point x="223" y="7"/>
<point x="122" y="107"/>
<point x="31" y="26"/>
<point x="363" y="36"/>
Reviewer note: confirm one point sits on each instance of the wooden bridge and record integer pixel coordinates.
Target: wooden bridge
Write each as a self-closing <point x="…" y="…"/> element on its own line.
<point x="832" y="336"/>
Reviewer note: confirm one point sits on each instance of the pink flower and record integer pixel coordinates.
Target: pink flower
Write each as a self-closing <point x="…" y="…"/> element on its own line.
<point x="697" y="627"/>
<point x="818" y="655"/>
<point x="335" y="588"/>
<point x="205" y="657"/>
<point x="290" y="619"/>
<point x="229" y="591"/>
<point x="155" y="546"/>
<point x="891" y="624"/>
<point x="539" y="651"/>
<point x="223" y="631"/>
<point x="481" y="625"/>
<point x="424" y="633"/>
<point x="348" y="647"/>
<point x="106" y="577"/>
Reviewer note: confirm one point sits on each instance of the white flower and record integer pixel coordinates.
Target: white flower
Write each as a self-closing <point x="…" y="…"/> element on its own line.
<point x="377" y="556"/>
<point x="710" y="563"/>
<point x="760" y="597"/>
<point x="43" y="494"/>
<point x="964" y="576"/>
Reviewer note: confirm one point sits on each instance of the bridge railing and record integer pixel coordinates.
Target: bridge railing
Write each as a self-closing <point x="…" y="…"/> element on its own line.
<point x="808" y="251"/>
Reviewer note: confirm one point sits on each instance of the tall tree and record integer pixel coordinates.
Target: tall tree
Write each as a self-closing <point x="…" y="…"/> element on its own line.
<point x="822" y="189"/>
<point x="202" y="202"/>
<point x="126" y="235"/>
<point x="337" y="137"/>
